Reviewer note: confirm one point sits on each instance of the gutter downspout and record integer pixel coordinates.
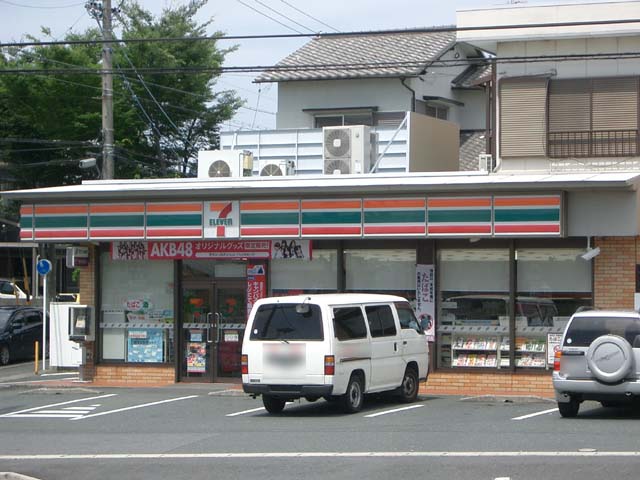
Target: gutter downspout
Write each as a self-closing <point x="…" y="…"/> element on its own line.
<point x="413" y="93"/>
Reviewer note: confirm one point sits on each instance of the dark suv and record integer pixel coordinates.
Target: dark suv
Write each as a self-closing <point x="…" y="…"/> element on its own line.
<point x="20" y="328"/>
<point x="599" y="360"/>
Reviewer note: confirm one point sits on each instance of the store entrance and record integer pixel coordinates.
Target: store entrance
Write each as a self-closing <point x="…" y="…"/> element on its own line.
<point x="213" y="322"/>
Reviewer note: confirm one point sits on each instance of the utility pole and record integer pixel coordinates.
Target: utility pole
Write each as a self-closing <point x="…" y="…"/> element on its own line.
<point x="107" y="94"/>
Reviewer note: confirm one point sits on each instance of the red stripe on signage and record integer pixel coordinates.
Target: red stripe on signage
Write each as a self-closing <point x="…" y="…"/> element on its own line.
<point x="331" y="230"/>
<point x="61" y="234"/>
<point x="93" y="233"/>
<point x="527" y="228"/>
<point x="474" y="229"/>
<point x="26" y="234"/>
<point x="260" y="232"/>
<point x="419" y="229"/>
<point x="174" y="232"/>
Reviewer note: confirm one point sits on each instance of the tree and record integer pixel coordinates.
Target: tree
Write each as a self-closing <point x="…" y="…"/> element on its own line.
<point x="48" y="122"/>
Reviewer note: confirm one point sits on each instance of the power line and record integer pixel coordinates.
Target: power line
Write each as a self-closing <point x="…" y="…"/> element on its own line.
<point x="269" y="17"/>
<point x="284" y="16"/>
<point x="307" y="15"/>
<point x="448" y="29"/>
<point x="38" y="7"/>
<point x="381" y="66"/>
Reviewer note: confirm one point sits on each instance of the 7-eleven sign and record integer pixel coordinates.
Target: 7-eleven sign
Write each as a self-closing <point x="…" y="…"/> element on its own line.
<point x="222" y="219"/>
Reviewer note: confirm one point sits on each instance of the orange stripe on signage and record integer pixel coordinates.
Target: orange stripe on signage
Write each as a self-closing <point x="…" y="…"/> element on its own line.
<point x="124" y="208"/>
<point x="174" y="207"/>
<point x="324" y="204"/>
<point x="252" y="206"/>
<point x="217" y="206"/>
<point x="26" y="210"/>
<point x="525" y="201"/>
<point x="459" y="202"/>
<point x="405" y="203"/>
<point x="59" y="209"/>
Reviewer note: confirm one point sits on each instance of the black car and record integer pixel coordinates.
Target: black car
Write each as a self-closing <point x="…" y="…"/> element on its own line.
<point x="20" y="328"/>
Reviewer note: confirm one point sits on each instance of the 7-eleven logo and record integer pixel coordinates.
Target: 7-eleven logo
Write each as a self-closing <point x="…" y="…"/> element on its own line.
<point x="222" y="219"/>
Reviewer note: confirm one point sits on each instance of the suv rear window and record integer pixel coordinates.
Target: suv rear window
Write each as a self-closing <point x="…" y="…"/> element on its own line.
<point x="584" y="330"/>
<point x="281" y="322"/>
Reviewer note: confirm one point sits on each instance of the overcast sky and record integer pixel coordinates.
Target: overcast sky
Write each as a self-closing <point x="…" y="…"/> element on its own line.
<point x="238" y="17"/>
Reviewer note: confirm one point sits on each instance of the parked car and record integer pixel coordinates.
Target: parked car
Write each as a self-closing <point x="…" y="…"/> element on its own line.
<point x="599" y="360"/>
<point x="335" y="346"/>
<point x="10" y="290"/>
<point x="20" y="328"/>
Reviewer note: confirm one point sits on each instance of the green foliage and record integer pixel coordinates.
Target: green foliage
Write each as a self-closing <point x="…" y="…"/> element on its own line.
<point x="48" y="122"/>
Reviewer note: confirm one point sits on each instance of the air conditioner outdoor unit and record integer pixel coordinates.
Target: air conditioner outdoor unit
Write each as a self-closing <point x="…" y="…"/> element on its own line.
<point x="346" y="149"/>
<point x="224" y="163"/>
<point x="276" y="168"/>
<point x="485" y="162"/>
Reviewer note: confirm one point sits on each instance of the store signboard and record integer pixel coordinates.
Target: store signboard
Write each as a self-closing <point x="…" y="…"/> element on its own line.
<point x="256" y="284"/>
<point x="222" y="219"/>
<point x="554" y="344"/>
<point x="291" y="249"/>
<point x="426" y="299"/>
<point x="145" y="345"/>
<point x="197" y="249"/>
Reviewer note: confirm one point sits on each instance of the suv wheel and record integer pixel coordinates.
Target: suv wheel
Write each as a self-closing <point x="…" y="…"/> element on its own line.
<point x="354" y="397"/>
<point x="569" y="409"/>
<point x="273" y="404"/>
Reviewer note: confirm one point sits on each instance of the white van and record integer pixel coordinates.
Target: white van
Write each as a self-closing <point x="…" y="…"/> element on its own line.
<point x="336" y="346"/>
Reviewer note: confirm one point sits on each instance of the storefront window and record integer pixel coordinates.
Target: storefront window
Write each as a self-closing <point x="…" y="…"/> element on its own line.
<point x="552" y="284"/>
<point x="137" y="317"/>
<point x="473" y="319"/>
<point x="292" y="276"/>
<point x="391" y="271"/>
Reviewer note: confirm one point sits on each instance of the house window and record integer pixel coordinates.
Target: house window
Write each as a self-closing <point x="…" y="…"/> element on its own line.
<point x="437" y="111"/>
<point x="338" y="120"/>
<point x="593" y="117"/>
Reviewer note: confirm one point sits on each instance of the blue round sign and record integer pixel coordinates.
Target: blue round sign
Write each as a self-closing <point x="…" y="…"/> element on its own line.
<point x="43" y="266"/>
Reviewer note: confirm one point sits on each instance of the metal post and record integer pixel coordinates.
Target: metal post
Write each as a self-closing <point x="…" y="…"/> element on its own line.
<point x="107" y="94"/>
<point x="44" y="323"/>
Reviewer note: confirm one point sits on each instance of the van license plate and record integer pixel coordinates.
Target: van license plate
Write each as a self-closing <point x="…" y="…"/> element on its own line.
<point x="284" y="355"/>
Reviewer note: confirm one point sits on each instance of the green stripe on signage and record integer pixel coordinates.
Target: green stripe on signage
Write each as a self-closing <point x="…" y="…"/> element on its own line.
<point x="26" y="222"/>
<point x="117" y="221"/>
<point x="459" y="216"/>
<point x="287" y="218"/>
<point x="528" y="215"/>
<point x="415" y="216"/>
<point x="61" y="222"/>
<point x="174" y="220"/>
<point x="330" y="218"/>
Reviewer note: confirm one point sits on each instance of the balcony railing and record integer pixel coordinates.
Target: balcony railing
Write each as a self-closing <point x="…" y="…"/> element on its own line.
<point x="593" y="143"/>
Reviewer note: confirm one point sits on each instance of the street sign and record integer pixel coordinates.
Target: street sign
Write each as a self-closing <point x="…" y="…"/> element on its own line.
<point x="43" y="266"/>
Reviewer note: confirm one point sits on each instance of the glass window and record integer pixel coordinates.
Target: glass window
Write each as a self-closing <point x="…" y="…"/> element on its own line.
<point x="552" y="284"/>
<point x="389" y="271"/>
<point x="137" y="318"/>
<point x="284" y="321"/>
<point x="381" y="323"/>
<point x="292" y="276"/>
<point x="328" y="121"/>
<point x="348" y="323"/>
<point x="407" y="318"/>
<point x="473" y="317"/>
<point x="584" y="330"/>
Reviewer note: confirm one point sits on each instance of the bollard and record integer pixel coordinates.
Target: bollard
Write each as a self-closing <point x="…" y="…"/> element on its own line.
<point x="36" y="364"/>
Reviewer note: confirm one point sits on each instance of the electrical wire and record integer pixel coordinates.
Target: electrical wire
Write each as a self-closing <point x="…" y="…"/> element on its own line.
<point x="307" y="15"/>
<point x="284" y="16"/>
<point x="39" y="7"/>
<point x="270" y="17"/>
<point x="447" y="29"/>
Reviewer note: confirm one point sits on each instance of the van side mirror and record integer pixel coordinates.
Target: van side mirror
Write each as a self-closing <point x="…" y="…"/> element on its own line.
<point x="302" y="308"/>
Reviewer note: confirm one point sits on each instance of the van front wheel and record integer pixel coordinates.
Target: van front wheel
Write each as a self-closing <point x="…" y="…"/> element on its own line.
<point x="354" y="397"/>
<point x="273" y="404"/>
<point x="409" y="387"/>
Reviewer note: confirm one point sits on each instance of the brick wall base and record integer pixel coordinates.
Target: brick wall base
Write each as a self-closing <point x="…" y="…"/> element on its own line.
<point x="134" y="375"/>
<point x="487" y="383"/>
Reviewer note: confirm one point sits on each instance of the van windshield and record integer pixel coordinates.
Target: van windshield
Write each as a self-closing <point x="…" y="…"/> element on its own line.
<point x="584" y="330"/>
<point x="280" y="321"/>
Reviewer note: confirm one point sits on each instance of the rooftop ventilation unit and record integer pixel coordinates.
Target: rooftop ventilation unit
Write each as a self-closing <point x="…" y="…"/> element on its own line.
<point x="276" y="168"/>
<point x="346" y="149"/>
<point x="224" y="163"/>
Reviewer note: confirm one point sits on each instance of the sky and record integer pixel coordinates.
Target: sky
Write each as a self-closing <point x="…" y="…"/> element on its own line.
<point x="239" y="17"/>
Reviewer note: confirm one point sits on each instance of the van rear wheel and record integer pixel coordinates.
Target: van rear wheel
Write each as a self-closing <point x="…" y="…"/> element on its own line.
<point x="353" y="399"/>
<point x="409" y="387"/>
<point x="273" y="404"/>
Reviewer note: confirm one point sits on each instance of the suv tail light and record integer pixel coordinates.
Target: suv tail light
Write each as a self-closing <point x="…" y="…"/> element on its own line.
<point x="244" y="364"/>
<point x="556" y="360"/>
<point x="329" y="364"/>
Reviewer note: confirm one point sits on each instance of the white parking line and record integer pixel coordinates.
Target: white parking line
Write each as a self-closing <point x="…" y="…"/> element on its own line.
<point x="289" y="455"/>
<point x="531" y="415"/>
<point x="250" y="411"/>
<point x="20" y="412"/>
<point x="118" y="410"/>
<point x="393" y="411"/>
